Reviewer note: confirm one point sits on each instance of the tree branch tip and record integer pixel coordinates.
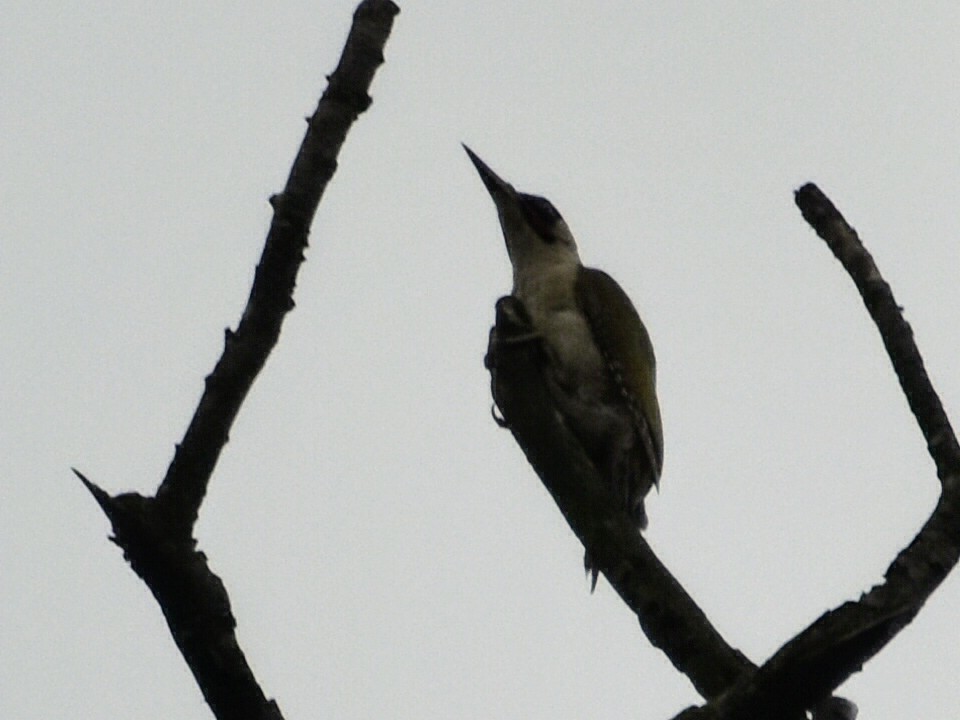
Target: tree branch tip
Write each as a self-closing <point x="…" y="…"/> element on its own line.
<point x="819" y="212"/>
<point x="809" y="194"/>
<point x="813" y="198"/>
<point x="376" y="6"/>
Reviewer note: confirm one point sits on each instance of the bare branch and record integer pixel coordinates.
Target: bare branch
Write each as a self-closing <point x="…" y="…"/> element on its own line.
<point x="271" y="297"/>
<point x="838" y="644"/>
<point x="888" y="317"/>
<point x="155" y="533"/>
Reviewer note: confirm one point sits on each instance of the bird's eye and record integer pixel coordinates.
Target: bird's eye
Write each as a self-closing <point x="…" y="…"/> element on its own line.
<point x="541" y="214"/>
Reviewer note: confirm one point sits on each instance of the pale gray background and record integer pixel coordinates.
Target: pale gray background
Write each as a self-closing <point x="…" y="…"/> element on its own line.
<point x="388" y="551"/>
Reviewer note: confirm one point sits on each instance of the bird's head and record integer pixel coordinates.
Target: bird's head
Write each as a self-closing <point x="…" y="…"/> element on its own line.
<point x="535" y="233"/>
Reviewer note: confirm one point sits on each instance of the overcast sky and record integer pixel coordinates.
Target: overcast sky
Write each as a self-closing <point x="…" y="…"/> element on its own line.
<point x="388" y="551"/>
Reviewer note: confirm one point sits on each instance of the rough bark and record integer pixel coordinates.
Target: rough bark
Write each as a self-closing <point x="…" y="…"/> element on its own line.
<point x="156" y="532"/>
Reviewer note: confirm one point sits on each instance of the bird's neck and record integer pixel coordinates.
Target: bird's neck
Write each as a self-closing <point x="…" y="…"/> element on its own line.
<point x="546" y="285"/>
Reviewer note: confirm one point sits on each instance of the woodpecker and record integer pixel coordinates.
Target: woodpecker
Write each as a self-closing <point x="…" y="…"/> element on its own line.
<point x="600" y="365"/>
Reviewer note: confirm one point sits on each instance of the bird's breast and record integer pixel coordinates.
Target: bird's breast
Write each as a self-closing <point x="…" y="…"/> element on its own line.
<point x="575" y="360"/>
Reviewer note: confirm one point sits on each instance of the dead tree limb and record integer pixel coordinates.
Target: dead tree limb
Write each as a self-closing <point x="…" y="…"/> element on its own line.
<point x="841" y="641"/>
<point x="156" y="532"/>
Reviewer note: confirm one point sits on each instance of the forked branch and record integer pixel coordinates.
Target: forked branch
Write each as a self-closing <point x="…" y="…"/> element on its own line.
<point x="802" y="675"/>
<point x="838" y="644"/>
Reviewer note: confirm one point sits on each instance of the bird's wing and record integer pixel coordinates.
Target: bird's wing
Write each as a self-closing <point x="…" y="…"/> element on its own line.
<point x="627" y="351"/>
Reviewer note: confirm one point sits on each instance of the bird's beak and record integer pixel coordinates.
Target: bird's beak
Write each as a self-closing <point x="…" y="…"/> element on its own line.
<point x="498" y="188"/>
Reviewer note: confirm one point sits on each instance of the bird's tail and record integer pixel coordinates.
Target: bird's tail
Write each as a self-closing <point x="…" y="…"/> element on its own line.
<point x="592" y="569"/>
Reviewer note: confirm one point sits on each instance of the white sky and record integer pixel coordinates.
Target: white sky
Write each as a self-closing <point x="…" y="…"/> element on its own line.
<point x="387" y="549"/>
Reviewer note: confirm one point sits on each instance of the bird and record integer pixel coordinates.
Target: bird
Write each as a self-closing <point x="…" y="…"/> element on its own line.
<point x="600" y="366"/>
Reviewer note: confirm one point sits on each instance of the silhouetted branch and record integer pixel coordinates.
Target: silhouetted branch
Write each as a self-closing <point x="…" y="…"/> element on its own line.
<point x="841" y="641"/>
<point x="888" y="317"/>
<point x="271" y="297"/>
<point x="156" y="533"/>
<point x="838" y="644"/>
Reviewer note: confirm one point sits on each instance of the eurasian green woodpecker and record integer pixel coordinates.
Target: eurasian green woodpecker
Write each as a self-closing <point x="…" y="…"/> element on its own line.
<point x="600" y="366"/>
